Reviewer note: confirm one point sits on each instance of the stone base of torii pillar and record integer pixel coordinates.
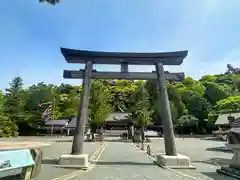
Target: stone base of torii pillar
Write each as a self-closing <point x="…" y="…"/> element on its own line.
<point x="174" y="162"/>
<point x="74" y="161"/>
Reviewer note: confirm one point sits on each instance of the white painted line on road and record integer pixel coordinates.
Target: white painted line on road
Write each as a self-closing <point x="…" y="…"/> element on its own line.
<point x="99" y="149"/>
<point x="99" y="155"/>
<point x="101" y="152"/>
<point x="77" y="172"/>
<point x="175" y="171"/>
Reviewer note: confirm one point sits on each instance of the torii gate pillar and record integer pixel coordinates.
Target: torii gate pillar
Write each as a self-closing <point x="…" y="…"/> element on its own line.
<point x="82" y="115"/>
<point x="170" y="147"/>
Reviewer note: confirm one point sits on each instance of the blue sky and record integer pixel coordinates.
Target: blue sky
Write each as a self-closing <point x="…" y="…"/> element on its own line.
<point x="31" y="34"/>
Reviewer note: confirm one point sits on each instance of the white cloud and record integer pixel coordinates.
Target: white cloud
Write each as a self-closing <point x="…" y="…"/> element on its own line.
<point x="197" y="67"/>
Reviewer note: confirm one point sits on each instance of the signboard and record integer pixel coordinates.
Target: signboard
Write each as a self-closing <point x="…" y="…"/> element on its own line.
<point x="13" y="159"/>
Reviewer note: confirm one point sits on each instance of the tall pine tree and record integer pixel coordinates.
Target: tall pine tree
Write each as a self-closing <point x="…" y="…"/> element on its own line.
<point x="14" y="105"/>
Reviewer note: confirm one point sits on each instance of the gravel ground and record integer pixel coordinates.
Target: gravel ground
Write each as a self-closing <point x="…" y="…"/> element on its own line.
<point x="207" y="155"/>
<point x="50" y="156"/>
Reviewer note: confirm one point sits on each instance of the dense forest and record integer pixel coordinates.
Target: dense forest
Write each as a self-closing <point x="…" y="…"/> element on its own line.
<point x="195" y="104"/>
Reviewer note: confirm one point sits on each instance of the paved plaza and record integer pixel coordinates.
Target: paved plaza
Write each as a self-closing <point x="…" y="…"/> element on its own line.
<point x="123" y="161"/>
<point x="206" y="154"/>
<point x="51" y="154"/>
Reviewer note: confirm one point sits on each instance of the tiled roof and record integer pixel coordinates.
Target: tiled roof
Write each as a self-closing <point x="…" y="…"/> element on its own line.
<point x="236" y="123"/>
<point x="117" y="116"/>
<point x="72" y="123"/>
<point x="59" y="122"/>
<point x="223" y="118"/>
<point x="111" y="117"/>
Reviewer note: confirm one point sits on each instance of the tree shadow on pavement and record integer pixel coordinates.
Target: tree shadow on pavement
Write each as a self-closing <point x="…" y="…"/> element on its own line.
<point x="212" y="139"/>
<point x="70" y="140"/>
<point x="216" y="176"/>
<point x="50" y="161"/>
<point x="118" y="140"/>
<point x="63" y="140"/>
<point x="13" y="177"/>
<point x="124" y="163"/>
<point x="125" y="140"/>
<point x="215" y="161"/>
<point x="220" y="149"/>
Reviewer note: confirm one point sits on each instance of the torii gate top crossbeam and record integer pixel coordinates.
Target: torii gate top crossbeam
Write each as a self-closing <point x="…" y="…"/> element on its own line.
<point x="166" y="58"/>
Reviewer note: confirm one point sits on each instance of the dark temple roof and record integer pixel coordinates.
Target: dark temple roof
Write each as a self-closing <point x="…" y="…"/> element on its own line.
<point x="117" y="116"/>
<point x="72" y="123"/>
<point x="98" y="57"/>
<point x="59" y="122"/>
<point x="223" y="118"/>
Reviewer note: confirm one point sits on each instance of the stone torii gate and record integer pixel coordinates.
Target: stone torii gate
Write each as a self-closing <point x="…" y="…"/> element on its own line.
<point x="77" y="158"/>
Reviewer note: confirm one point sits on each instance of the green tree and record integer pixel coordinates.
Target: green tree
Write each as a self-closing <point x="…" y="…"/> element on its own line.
<point x="141" y="112"/>
<point x="64" y="88"/>
<point x="99" y="106"/>
<point x="14" y="104"/>
<point x="208" y="78"/>
<point x="4" y="121"/>
<point x="38" y="97"/>
<point x="199" y="107"/>
<point x="177" y="106"/>
<point x="1" y="101"/>
<point x="68" y="103"/>
<point x="121" y="92"/>
<point x="188" y="120"/>
<point x="236" y="83"/>
<point x="215" y="92"/>
<point x="19" y="107"/>
<point x="231" y="103"/>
